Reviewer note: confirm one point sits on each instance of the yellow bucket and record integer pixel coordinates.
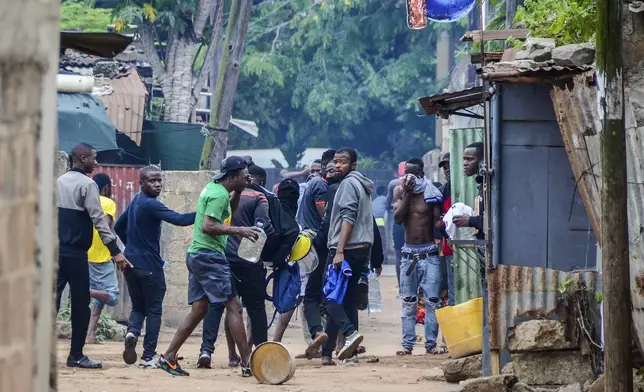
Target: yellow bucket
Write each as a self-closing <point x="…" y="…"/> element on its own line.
<point x="272" y="363"/>
<point x="462" y="327"/>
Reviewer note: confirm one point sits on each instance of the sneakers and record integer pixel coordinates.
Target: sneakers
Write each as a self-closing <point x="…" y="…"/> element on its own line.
<point x="352" y="342"/>
<point x="129" y="353"/>
<point x="171" y="367"/>
<point x="204" y="361"/>
<point x="149" y="363"/>
<point x="362" y="298"/>
<point x="352" y="361"/>
<point x="314" y="347"/>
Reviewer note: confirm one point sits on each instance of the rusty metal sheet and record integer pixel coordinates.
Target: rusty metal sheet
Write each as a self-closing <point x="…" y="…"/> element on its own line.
<point x="447" y="103"/>
<point x="524" y="293"/>
<point x="125" y="183"/>
<point x="576" y="109"/>
<point x="126" y="104"/>
<point x="514" y="71"/>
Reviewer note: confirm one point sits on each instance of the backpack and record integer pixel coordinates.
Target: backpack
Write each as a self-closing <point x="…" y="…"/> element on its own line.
<point x="286" y="288"/>
<point x="278" y="246"/>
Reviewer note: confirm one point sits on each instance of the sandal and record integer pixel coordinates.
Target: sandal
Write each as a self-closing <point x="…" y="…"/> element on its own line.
<point x="328" y="361"/>
<point x="361" y="350"/>
<point x="437" y="351"/>
<point x="245" y="371"/>
<point x="403" y="352"/>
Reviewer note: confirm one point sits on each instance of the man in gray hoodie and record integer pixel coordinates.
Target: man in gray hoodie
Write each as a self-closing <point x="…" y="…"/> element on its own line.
<point x="350" y="239"/>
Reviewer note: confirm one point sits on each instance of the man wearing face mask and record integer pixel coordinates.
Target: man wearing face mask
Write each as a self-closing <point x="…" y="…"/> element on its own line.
<point x="417" y="207"/>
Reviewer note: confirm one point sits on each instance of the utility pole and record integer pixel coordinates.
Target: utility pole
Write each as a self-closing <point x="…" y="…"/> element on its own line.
<point x="223" y="98"/>
<point x="614" y="243"/>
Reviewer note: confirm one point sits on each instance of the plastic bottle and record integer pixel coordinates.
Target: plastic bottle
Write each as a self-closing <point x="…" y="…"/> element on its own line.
<point x="375" y="298"/>
<point x="249" y="250"/>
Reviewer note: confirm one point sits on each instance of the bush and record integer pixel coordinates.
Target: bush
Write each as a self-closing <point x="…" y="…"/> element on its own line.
<point x="107" y="328"/>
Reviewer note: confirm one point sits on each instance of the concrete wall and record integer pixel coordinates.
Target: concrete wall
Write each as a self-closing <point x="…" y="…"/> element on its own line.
<point x="180" y="193"/>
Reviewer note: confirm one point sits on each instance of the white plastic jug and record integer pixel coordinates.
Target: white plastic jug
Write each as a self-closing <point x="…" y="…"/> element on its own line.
<point x="249" y="250"/>
<point x="375" y="298"/>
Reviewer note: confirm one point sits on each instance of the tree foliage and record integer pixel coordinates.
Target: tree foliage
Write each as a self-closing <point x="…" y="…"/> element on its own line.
<point x="338" y="72"/>
<point x="568" y="22"/>
<point x="79" y="15"/>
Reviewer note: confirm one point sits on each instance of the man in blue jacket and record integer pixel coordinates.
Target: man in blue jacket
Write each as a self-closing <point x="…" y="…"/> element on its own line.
<point x="140" y="229"/>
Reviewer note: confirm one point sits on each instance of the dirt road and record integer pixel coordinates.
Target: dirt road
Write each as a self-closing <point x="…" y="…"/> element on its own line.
<point x="382" y="337"/>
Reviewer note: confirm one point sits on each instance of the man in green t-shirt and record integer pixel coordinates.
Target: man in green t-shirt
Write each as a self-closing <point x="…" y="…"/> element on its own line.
<point x="210" y="286"/>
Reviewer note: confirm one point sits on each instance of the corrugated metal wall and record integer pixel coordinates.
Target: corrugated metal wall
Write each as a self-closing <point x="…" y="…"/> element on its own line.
<point x="125" y="183"/>
<point x="466" y="270"/>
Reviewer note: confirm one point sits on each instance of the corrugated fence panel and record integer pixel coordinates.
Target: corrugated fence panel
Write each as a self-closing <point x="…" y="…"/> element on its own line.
<point x="518" y="294"/>
<point x="466" y="270"/>
<point x="125" y="184"/>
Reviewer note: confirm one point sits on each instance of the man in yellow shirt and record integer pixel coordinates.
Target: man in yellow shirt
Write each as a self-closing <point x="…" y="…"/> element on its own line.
<point x="103" y="283"/>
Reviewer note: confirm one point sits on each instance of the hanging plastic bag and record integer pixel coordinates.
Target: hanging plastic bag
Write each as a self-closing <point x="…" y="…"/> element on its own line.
<point x="375" y="299"/>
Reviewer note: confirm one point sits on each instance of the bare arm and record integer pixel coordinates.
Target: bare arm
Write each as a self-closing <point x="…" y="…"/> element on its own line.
<point x="402" y="200"/>
<point x="214" y="228"/>
<point x="321" y="207"/>
<point x="437" y="212"/>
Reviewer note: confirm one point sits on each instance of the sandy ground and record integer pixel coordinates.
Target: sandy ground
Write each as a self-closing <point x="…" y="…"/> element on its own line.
<point x="382" y="337"/>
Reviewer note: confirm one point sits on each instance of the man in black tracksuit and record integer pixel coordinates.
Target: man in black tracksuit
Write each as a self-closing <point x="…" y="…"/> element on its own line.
<point x="249" y="278"/>
<point x="79" y="211"/>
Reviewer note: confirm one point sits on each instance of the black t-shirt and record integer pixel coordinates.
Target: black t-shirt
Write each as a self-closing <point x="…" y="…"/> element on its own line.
<point x="314" y="195"/>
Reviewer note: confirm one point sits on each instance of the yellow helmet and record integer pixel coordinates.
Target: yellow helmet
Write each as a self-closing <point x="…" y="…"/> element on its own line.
<point x="301" y="248"/>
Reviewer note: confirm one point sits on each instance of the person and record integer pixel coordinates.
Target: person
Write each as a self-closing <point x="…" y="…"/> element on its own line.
<point x="417" y="207"/>
<point x="287" y="194"/>
<point x="210" y="285"/>
<point x="79" y="209"/>
<point x="472" y="158"/>
<point x="103" y="283"/>
<point x="351" y="237"/>
<point x="310" y="214"/>
<point x="140" y="229"/>
<point x="448" y="252"/>
<point x="398" y="232"/>
<point x="315" y="172"/>
<point x="379" y="207"/>
<point x="249" y="278"/>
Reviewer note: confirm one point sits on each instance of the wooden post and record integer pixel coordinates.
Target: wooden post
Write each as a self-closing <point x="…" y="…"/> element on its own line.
<point x="614" y="241"/>
<point x="223" y="97"/>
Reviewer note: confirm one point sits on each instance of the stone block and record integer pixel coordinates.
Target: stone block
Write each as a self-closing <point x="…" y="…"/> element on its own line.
<point x="552" y="367"/>
<point x="521" y="387"/>
<point x="536" y="49"/>
<point x="571" y="388"/>
<point x="460" y="369"/>
<point x="536" y="335"/>
<point x="503" y="383"/>
<point x="574" y="55"/>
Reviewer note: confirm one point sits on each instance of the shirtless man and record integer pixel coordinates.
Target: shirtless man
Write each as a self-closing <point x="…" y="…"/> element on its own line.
<point x="417" y="206"/>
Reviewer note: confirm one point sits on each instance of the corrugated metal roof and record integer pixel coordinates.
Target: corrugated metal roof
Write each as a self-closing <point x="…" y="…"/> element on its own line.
<point x="463" y="189"/>
<point x="575" y="106"/>
<point x="447" y="103"/>
<point x="524" y="293"/>
<point x="126" y="104"/>
<point x="527" y="71"/>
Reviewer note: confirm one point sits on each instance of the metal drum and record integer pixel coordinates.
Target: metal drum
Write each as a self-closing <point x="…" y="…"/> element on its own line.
<point x="272" y="363"/>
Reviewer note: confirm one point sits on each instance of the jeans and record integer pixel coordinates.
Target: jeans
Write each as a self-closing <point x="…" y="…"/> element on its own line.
<point x="313" y="294"/>
<point x="451" y="294"/>
<point x="427" y="276"/>
<point x="250" y="284"/>
<point x="147" y="290"/>
<point x="344" y="317"/>
<point x="75" y="271"/>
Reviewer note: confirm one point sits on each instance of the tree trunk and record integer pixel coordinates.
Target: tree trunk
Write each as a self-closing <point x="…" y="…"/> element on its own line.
<point x="221" y="110"/>
<point x="177" y="85"/>
<point x="28" y="65"/>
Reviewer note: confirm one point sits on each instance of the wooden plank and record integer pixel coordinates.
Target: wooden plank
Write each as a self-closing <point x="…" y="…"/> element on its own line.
<point x="494" y="35"/>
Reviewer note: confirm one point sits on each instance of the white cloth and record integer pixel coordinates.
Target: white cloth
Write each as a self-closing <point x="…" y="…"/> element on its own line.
<point x="457" y="209"/>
